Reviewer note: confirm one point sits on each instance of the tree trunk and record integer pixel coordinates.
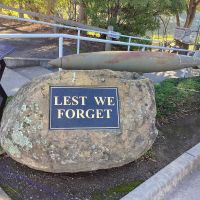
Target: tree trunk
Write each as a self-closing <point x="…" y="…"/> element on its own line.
<point x="178" y="23"/>
<point x="75" y="11"/>
<point x="51" y="7"/>
<point x="82" y="16"/>
<point x="21" y="15"/>
<point x="29" y="5"/>
<point x="191" y="11"/>
<point x="114" y="12"/>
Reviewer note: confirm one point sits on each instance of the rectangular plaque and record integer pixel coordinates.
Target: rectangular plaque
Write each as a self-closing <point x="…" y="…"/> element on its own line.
<point x="84" y="108"/>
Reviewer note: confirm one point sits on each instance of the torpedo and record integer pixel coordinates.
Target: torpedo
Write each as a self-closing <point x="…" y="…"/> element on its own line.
<point x="134" y="61"/>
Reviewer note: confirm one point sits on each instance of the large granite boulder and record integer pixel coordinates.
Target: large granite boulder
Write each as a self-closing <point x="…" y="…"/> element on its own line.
<point x="26" y="137"/>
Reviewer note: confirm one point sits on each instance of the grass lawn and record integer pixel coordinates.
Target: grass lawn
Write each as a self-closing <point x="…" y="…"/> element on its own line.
<point x="177" y="97"/>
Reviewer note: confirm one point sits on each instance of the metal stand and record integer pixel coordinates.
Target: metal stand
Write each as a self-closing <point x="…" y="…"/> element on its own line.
<point x="3" y="96"/>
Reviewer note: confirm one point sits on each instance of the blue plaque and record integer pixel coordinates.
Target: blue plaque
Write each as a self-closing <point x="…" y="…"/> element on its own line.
<point x="84" y="108"/>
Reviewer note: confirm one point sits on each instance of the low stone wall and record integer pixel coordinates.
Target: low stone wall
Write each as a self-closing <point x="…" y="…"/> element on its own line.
<point x="26" y="137"/>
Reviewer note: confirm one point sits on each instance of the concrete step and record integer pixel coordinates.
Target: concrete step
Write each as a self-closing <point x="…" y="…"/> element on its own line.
<point x="13" y="80"/>
<point x="15" y="62"/>
<point x="32" y="72"/>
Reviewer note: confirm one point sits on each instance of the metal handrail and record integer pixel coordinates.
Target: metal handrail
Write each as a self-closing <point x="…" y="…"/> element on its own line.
<point x="90" y="30"/>
<point x="91" y="39"/>
<point x="73" y="28"/>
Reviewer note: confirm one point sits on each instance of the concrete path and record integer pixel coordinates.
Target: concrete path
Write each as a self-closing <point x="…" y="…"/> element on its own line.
<point x="32" y="72"/>
<point x="13" y="80"/>
<point x="188" y="189"/>
<point x="172" y="176"/>
<point x="157" y="77"/>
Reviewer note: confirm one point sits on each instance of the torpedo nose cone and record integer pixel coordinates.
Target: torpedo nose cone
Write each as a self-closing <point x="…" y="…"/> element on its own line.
<point x="56" y="62"/>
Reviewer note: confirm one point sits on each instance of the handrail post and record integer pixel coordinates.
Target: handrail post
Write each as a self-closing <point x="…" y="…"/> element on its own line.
<point x="60" y="49"/>
<point x="163" y="46"/>
<point x="143" y="48"/>
<point x="108" y="46"/>
<point x="78" y="42"/>
<point x="129" y="41"/>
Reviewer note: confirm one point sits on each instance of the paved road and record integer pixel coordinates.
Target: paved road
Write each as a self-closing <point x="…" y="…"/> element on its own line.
<point x="188" y="189"/>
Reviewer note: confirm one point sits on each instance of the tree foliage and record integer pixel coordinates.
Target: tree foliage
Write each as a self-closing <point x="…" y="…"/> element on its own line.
<point x="132" y="16"/>
<point x="127" y="16"/>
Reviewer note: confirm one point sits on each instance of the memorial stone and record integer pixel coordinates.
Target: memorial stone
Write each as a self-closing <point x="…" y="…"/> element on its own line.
<point x="72" y="121"/>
